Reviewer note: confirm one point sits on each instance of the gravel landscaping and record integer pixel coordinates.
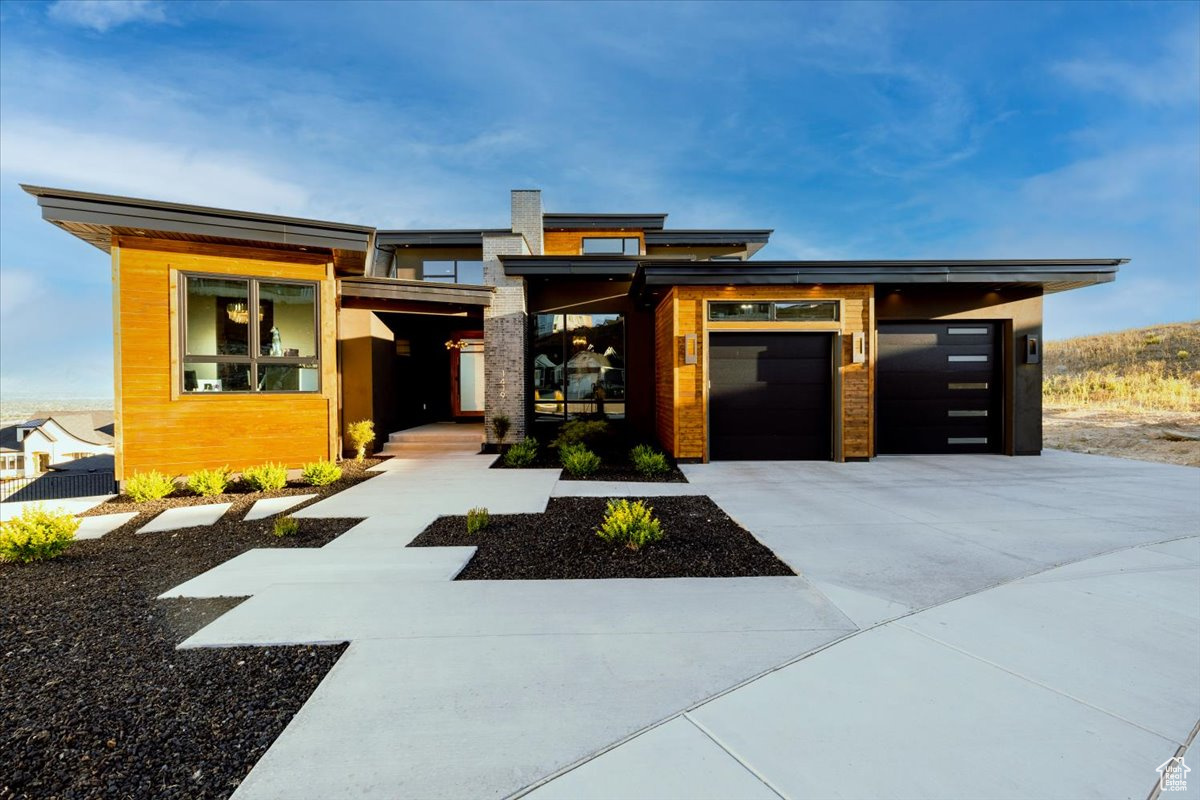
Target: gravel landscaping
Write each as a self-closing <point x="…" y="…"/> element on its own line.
<point x="96" y="700"/>
<point x="701" y="541"/>
<point x="241" y="496"/>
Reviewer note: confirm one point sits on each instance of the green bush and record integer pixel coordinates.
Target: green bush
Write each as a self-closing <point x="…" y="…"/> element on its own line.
<point x="648" y="461"/>
<point x="321" y="473"/>
<point x="36" y="533"/>
<point x="285" y="526"/>
<point x="500" y="426"/>
<point x="580" y="431"/>
<point x="1182" y="354"/>
<point x="152" y="485"/>
<point x="630" y="524"/>
<point x="578" y="460"/>
<point x="523" y="453"/>
<point x="477" y="520"/>
<point x="361" y="434"/>
<point x="209" y="482"/>
<point x="265" y="478"/>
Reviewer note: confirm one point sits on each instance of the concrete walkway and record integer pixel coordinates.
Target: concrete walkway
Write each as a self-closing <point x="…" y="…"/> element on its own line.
<point x="1021" y="677"/>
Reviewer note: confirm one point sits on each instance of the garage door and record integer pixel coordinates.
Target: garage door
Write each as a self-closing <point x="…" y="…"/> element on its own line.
<point x="769" y="396"/>
<point x="938" y="388"/>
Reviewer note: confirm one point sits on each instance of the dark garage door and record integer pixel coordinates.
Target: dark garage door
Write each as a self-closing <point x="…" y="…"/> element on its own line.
<point x="938" y="388"/>
<point x="769" y="396"/>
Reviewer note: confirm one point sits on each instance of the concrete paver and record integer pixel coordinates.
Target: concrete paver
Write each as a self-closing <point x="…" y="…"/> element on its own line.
<point x="270" y="506"/>
<point x="95" y="527"/>
<point x="255" y="570"/>
<point x="186" y="517"/>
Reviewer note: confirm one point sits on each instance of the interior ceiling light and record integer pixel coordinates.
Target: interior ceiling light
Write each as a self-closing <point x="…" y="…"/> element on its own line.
<point x="238" y="313"/>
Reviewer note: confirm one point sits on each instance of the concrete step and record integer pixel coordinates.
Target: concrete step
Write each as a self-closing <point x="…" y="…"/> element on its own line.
<point x="431" y="450"/>
<point x="447" y="434"/>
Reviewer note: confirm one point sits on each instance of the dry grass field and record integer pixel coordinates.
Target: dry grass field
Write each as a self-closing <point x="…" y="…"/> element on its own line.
<point x="1134" y="394"/>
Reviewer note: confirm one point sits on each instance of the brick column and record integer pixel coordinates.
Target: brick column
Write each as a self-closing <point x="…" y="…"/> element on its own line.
<point x="505" y="338"/>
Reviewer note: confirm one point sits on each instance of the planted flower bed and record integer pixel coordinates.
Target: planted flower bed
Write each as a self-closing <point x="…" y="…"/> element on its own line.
<point x="699" y="540"/>
<point x="578" y="444"/>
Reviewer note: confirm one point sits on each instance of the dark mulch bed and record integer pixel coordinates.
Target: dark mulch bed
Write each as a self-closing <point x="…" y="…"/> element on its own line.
<point x="700" y="541"/>
<point x="96" y="701"/>
<point x="614" y="466"/>
<point x="241" y="496"/>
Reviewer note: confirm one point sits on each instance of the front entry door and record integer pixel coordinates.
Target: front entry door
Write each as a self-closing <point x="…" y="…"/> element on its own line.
<point x="466" y="376"/>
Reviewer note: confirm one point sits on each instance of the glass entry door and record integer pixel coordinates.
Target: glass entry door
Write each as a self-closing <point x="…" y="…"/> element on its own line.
<point x="466" y="371"/>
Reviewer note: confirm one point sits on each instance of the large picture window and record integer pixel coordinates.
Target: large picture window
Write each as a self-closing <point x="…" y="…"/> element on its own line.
<point x="578" y="365"/>
<point x="249" y="335"/>
<point x="611" y="246"/>
<point x="452" y="271"/>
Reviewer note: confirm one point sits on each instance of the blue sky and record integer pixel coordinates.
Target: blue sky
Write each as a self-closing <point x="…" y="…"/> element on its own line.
<point x="854" y="130"/>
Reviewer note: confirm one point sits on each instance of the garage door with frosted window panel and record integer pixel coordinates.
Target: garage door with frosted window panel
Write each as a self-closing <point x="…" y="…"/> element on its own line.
<point x="938" y="388"/>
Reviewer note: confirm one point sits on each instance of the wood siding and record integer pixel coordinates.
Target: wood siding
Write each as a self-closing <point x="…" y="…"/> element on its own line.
<point x="570" y="243"/>
<point x="681" y="389"/>
<point x="157" y="426"/>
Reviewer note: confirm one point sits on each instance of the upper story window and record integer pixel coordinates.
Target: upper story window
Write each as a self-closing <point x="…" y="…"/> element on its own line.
<point x="249" y="335"/>
<point x="452" y="271"/>
<point x="611" y="246"/>
<point x="775" y="311"/>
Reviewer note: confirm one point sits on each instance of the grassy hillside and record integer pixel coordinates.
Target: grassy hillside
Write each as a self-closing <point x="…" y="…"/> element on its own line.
<point x="1148" y="368"/>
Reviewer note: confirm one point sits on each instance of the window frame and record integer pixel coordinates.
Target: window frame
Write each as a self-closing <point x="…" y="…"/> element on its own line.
<point x="253" y="345"/>
<point x="772" y="311"/>
<point x="564" y="412"/>
<point x="450" y="279"/>
<point x="583" y="240"/>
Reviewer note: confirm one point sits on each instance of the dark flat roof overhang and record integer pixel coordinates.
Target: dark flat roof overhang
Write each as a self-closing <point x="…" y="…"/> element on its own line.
<point x="641" y="222"/>
<point x="1052" y="274"/>
<point x="435" y="238"/>
<point x="390" y="294"/>
<point x="708" y="237"/>
<point x="95" y="218"/>
<point x="572" y="266"/>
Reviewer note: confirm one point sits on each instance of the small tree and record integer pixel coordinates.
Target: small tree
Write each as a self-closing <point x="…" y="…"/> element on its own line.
<point x="361" y="434"/>
<point x="500" y="426"/>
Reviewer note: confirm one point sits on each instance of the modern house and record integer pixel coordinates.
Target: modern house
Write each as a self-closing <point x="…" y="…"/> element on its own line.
<point x="54" y="440"/>
<point x="243" y="337"/>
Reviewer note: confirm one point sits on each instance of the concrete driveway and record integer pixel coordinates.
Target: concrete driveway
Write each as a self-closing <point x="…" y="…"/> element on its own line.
<point x="971" y="626"/>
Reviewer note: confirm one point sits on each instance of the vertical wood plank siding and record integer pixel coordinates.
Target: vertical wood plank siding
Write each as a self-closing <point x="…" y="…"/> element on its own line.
<point x="570" y="243"/>
<point x="187" y="432"/>
<point x="681" y="389"/>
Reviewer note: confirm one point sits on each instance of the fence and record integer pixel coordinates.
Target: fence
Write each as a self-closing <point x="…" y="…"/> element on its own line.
<point x="58" y="486"/>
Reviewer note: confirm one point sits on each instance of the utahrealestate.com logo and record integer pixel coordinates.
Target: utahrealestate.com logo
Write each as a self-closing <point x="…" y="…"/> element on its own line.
<point x="1172" y="775"/>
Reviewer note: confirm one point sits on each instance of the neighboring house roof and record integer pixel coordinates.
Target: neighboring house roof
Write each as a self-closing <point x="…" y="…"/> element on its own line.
<point x="8" y="439"/>
<point x="93" y="427"/>
<point x="101" y="462"/>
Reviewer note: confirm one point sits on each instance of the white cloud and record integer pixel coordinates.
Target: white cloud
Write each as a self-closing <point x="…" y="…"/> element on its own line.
<point x="102" y="15"/>
<point x="35" y="151"/>
<point x="1172" y="79"/>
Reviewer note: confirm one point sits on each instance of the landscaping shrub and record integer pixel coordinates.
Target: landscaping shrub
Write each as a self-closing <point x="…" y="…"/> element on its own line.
<point x="209" y="482"/>
<point x="152" y="485"/>
<point x="477" y="520"/>
<point x="523" y="453"/>
<point x="630" y="524"/>
<point x="265" y="478"/>
<point x="285" y="526"/>
<point x="361" y="434"/>
<point x="580" y="431"/>
<point x="321" y="473"/>
<point x="36" y="533"/>
<point x="578" y="460"/>
<point x="648" y="461"/>
<point x="500" y="426"/>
